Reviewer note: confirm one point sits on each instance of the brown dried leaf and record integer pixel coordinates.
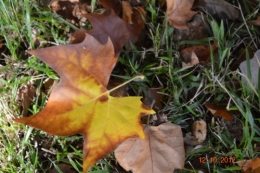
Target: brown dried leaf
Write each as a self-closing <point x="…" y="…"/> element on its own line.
<point x="250" y="166"/>
<point x="107" y="24"/>
<point x="179" y="13"/>
<point x="127" y="12"/>
<point x="161" y="152"/>
<point x="202" y="52"/>
<point x="219" y="111"/>
<point x="134" y="18"/>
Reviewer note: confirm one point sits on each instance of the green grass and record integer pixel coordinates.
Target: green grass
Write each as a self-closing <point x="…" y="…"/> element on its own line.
<point x="25" y="26"/>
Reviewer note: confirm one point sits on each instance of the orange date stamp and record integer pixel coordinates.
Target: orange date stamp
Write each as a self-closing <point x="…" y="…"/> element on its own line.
<point x="216" y="160"/>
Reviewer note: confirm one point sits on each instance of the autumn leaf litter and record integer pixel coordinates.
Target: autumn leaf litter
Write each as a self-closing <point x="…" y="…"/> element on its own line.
<point x="214" y="113"/>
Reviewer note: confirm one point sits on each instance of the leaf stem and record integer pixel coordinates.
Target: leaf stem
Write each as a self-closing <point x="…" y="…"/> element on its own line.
<point x="139" y="77"/>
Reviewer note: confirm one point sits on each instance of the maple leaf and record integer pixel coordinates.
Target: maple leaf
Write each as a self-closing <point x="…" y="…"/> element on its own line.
<point x="179" y="13"/>
<point x="80" y="102"/>
<point x="162" y="151"/>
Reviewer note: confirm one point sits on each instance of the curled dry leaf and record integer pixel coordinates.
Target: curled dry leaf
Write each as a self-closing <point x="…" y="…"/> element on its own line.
<point x="80" y="102"/>
<point x="179" y="13"/>
<point x="193" y="61"/>
<point x="199" y="130"/>
<point x="198" y="133"/>
<point x="250" y="166"/>
<point x="161" y="151"/>
<point x="219" y="111"/>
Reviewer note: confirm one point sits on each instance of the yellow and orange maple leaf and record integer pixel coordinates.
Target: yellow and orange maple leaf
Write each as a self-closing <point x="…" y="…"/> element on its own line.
<point x="80" y="102"/>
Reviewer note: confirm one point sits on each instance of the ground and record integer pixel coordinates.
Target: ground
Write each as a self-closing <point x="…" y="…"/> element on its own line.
<point x="188" y="93"/>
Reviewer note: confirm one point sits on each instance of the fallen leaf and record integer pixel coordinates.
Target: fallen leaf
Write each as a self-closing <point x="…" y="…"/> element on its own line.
<point x="197" y="136"/>
<point x="127" y="12"/>
<point x="80" y="102"/>
<point x="111" y="26"/>
<point x="254" y="66"/>
<point x="162" y="151"/>
<point x="138" y="24"/>
<point x="202" y="52"/>
<point x="219" y="111"/>
<point x="193" y="60"/>
<point x="199" y="130"/>
<point x="250" y="166"/>
<point x="179" y="13"/>
<point x="255" y="22"/>
<point x="220" y="9"/>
